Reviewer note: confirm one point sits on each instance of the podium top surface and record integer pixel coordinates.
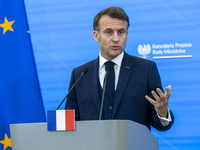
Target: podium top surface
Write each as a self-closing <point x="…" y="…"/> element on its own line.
<point x="89" y="135"/>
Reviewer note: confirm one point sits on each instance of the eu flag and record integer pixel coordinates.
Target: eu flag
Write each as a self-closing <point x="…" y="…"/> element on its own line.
<point x="20" y="97"/>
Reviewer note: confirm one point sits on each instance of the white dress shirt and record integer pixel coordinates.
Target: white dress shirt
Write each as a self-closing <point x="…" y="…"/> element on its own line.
<point x="102" y="72"/>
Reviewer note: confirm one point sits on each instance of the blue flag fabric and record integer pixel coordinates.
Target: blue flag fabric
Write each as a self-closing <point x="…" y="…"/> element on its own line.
<point x="20" y="97"/>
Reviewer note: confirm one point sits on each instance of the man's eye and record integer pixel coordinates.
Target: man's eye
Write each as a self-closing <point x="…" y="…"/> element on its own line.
<point x="108" y="32"/>
<point x="121" y="32"/>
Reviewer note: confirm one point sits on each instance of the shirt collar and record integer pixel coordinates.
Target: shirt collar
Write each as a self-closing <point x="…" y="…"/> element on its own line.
<point x="117" y="60"/>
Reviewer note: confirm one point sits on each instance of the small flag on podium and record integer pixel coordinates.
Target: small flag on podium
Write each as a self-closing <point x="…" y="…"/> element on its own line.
<point x="61" y="120"/>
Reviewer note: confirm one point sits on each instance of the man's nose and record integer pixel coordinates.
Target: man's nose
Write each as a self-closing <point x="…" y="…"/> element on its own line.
<point x="115" y="37"/>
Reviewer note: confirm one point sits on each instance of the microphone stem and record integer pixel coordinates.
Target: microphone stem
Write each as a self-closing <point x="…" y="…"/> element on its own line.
<point x="70" y="90"/>
<point x="102" y="100"/>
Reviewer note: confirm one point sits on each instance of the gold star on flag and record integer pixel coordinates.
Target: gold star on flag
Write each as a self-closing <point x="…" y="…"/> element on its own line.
<point x="7" y="25"/>
<point x="6" y="142"/>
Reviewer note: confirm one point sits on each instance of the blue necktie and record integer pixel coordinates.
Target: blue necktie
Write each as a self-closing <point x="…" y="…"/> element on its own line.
<point x="110" y="84"/>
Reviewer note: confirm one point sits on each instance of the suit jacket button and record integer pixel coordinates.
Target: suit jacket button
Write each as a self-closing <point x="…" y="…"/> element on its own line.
<point x="110" y="107"/>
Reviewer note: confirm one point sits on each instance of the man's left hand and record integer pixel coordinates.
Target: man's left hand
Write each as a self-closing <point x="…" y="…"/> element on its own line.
<point x="161" y="101"/>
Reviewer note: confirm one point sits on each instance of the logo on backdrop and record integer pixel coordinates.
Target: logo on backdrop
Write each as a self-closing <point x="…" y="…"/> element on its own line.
<point x="164" y="51"/>
<point x="144" y="50"/>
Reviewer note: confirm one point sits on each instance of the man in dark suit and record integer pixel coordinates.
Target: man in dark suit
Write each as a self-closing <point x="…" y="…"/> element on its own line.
<point x="137" y="90"/>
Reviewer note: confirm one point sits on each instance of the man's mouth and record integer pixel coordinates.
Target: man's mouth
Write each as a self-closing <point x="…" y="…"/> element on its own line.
<point x="115" y="47"/>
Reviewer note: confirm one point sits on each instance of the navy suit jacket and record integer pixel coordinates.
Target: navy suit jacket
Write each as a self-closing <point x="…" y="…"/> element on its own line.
<point x="137" y="78"/>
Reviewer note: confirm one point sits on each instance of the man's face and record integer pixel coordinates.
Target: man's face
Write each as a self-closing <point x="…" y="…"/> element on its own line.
<point x="112" y="36"/>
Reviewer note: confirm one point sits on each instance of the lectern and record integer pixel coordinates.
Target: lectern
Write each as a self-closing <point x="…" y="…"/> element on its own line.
<point x="89" y="135"/>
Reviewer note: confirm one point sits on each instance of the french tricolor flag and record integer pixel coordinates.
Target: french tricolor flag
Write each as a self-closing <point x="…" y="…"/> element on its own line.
<point x="59" y="120"/>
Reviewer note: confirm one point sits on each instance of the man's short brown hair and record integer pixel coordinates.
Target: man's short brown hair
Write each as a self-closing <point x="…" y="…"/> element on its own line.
<point x="113" y="12"/>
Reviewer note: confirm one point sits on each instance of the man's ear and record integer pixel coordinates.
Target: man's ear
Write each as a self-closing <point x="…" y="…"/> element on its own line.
<point x="127" y="35"/>
<point x="96" y="35"/>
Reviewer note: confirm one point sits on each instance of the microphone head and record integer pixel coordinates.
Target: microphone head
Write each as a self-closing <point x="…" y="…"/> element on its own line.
<point x="85" y="70"/>
<point x="107" y="68"/>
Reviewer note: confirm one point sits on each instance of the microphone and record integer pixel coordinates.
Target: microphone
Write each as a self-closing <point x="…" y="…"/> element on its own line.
<point x="84" y="72"/>
<point x="104" y="87"/>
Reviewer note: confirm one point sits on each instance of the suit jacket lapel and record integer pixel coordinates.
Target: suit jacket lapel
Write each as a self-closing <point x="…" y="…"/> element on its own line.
<point x="124" y="75"/>
<point x="94" y="83"/>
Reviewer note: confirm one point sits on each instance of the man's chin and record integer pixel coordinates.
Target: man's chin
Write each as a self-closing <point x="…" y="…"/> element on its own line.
<point x="115" y="53"/>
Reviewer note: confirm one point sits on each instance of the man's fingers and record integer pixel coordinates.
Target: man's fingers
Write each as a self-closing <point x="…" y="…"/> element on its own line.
<point x="161" y="94"/>
<point x="168" y="92"/>
<point x="150" y="100"/>
<point x="155" y="95"/>
<point x="160" y="97"/>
